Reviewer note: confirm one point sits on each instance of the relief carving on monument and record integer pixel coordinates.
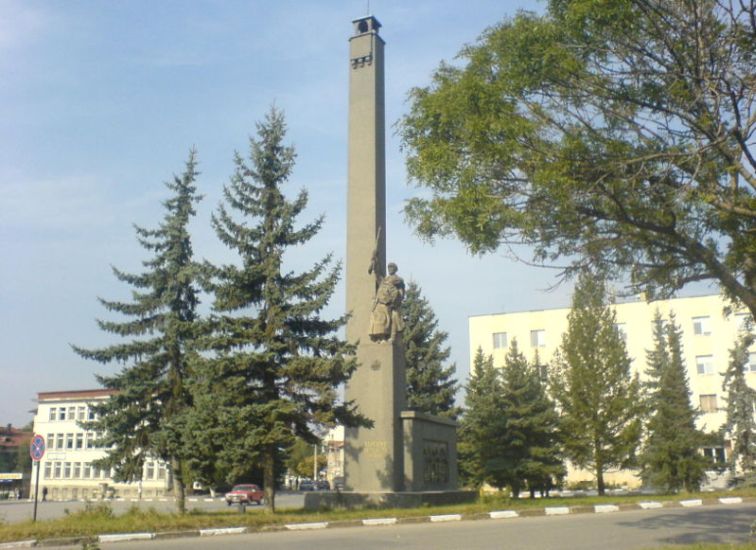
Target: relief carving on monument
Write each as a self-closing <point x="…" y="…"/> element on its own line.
<point x="435" y="462"/>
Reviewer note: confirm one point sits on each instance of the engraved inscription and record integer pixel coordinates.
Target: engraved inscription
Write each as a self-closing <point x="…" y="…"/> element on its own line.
<point x="375" y="449"/>
<point x="435" y="462"/>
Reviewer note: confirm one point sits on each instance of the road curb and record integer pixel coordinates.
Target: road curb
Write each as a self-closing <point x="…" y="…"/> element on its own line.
<point x="374" y="522"/>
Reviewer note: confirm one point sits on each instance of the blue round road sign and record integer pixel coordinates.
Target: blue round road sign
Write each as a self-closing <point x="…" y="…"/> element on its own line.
<point x="37" y="448"/>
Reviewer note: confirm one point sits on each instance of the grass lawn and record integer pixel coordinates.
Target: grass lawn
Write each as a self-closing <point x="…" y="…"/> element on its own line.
<point x="99" y="518"/>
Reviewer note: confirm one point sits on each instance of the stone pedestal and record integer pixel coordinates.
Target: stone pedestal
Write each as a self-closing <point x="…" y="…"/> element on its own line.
<point x="374" y="457"/>
<point x="430" y="452"/>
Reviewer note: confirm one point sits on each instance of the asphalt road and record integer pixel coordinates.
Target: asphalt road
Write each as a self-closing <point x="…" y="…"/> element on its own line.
<point x="630" y="530"/>
<point x="14" y="511"/>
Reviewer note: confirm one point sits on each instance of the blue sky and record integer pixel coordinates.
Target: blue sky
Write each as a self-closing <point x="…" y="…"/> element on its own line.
<point x="100" y="103"/>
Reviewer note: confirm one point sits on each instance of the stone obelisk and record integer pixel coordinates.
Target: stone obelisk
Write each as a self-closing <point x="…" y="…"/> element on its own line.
<point x="374" y="458"/>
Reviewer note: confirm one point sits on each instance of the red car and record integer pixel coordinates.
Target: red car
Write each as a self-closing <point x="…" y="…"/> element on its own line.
<point x="246" y="494"/>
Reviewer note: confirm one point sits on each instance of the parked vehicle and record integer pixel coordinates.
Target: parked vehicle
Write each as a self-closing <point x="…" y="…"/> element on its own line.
<point x="322" y="485"/>
<point x="246" y="493"/>
<point x="306" y="485"/>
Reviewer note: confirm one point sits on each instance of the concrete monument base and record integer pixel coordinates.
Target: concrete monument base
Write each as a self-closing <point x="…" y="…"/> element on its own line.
<point x="415" y="499"/>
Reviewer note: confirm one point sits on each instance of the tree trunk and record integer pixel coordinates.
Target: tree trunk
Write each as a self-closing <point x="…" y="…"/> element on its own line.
<point x="601" y="488"/>
<point x="269" y="479"/>
<point x="179" y="490"/>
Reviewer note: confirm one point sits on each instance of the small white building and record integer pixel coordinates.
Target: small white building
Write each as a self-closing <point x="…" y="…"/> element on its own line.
<point x="66" y="470"/>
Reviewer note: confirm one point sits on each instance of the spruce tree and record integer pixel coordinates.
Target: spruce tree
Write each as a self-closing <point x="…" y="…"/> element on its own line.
<point x="275" y="364"/>
<point x="430" y="384"/>
<point x="480" y="420"/>
<point x="529" y="451"/>
<point x="741" y="403"/>
<point x="144" y="417"/>
<point x="671" y="457"/>
<point x="598" y="397"/>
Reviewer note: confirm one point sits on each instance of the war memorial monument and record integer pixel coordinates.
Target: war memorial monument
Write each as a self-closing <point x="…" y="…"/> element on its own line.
<point x="407" y="458"/>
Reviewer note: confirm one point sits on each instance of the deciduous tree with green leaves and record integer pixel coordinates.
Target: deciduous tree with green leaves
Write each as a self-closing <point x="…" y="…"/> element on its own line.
<point x="741" y="403"/>
<point x="671" y="457"/>
<point x="430" y="382"/>
<point x="275" y="363"/>
<point x="144" y="417"/>
<point x="614" y="133"/>
<point x="598" y="397"/>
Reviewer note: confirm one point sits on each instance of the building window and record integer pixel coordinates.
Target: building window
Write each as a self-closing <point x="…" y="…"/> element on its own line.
<point x="48" y="470"/>
<point x="705" y="364"/>
<point x="69" y="441"/>
<point x="150" y="471"/>
<point x="89" y="441"/>
<point x="717" y="454"/>
<point x="161" y="471"/>
<point x="708" y="403"/>
<point x="53" y="410"/>
<point x="72" y="413"/>
<point x="95" y="472"/>
<point x="499" y="340"/>
<point x="59" y="441"/>
<point x="50" y="441"/>
<point x="751" y="366"/>
<point x="56" y="472"/>
<point x="622" y="330"/>
<point x="538" y="338"/>
<point x="90" y="413"/>
<point x="743" y="321"/>
<point x="702" y="326"/>
<point x="79" y="441"/>
<point x="81" y="413"/>
<point x="62" y="413"/>
<point x="86" y="470"/>
<point x="76" y="470"/>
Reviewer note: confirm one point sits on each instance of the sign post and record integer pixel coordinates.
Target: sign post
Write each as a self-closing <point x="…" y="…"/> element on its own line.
<point x="37" y="451"/>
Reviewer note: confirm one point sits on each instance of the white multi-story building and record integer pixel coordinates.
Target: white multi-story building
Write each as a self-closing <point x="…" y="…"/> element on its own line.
<point x="66" y="470"/>
<point x="707" y="336"/>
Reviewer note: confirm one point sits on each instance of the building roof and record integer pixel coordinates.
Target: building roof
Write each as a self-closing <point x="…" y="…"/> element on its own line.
<point x="11" y="437"/>
<point x="74" y="394"/>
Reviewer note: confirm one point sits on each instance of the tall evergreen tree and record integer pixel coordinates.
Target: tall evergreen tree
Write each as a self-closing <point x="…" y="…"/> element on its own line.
<point x="430" y="384"/>
<point x="144" y="416"/>
<point x="591" y="381"/>
<point x="276" y="364"/>
<point x="480" y="420"/>
<point x="529" y="451"/>
<point x="741" y="403"/>
<point x="671" y="457"/>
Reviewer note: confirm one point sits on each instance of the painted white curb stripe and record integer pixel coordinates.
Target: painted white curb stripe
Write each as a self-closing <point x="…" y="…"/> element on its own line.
<point x="379" y="521"/>
<point x="446" y="517"/>
<point x="193" y="499"/>
<point x="162" y="500"/>
<point x="605" y="508"/>
<point x="148" y="500"/>
<point x="504" y="514"/>
<point x="19" y="544"/>
<point x="126" y="536"/>
<point x="556" y="510"/>
<point x="694" y="502"/>
<point x="650" y="505"/>
<point x="209" y="500"/>
<point x="304" y="526"/>
<point x="731" y="500"/>
<point x="222" y="531"/>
